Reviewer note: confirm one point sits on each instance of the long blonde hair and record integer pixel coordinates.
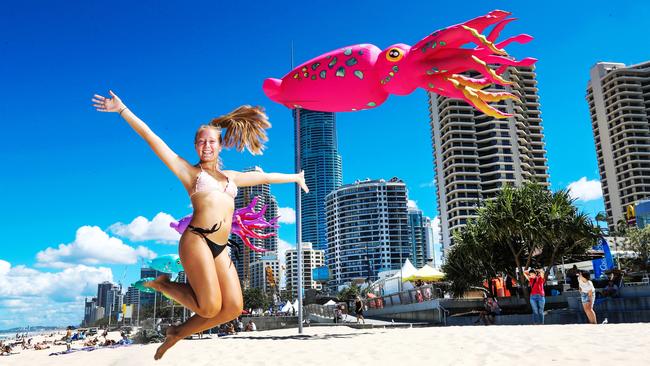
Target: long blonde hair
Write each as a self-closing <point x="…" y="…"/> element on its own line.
<point x="245" y="128"/>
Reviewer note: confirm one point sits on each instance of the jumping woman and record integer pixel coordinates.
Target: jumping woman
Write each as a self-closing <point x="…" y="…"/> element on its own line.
<point x="213" y="291"/>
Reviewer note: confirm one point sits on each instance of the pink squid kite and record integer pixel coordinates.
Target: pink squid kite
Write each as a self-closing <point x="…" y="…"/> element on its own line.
<point x="244" y="221"/>
<point x="362" y="76"/>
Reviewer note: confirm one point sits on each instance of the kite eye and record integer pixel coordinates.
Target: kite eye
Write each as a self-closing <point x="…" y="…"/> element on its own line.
<point x="394" y="54"/>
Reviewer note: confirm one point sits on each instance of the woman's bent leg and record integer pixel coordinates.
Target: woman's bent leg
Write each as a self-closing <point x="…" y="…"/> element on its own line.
<point x="232" y="304"/>
<point x="181" y="292"/>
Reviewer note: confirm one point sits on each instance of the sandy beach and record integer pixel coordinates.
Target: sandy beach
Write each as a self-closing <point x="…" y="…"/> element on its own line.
<point x="611" y="344"/>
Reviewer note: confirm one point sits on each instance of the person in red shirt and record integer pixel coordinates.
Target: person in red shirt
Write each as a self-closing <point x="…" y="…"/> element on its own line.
<point x="537" y="299"/>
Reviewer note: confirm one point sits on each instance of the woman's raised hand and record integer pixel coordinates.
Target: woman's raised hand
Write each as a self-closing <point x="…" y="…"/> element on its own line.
<point x="103" y="104"/>
<point x="301" y="181"/>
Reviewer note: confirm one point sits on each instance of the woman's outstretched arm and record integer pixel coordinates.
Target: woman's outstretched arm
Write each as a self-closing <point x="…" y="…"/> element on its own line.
<point x="179" y="166"/>
<point x="248" y="179"/>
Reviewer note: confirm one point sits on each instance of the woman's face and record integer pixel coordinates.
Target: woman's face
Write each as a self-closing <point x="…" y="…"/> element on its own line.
<point x="207" y="144"/>
<point x="581" y="278"/>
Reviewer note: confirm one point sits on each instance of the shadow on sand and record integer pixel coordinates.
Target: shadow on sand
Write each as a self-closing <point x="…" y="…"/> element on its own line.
<point x="312" y="337"/>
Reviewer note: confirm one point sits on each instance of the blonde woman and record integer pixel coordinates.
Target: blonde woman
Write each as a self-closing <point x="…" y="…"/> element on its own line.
<point x="213" y="291"/>
<point x="587" y="295"/>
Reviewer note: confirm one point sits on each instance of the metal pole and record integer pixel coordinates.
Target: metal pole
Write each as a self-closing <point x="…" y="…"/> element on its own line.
<point x="154" y="311"/>
<point x="138" y="308"/>
<point x="298" y="221"/>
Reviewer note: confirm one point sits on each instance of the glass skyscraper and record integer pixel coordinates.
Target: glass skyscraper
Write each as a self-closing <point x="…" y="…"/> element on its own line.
<point x="320" y="159"/>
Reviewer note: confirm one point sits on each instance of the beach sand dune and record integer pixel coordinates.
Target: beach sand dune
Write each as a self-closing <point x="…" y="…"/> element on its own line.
<point x="611" y="344"/>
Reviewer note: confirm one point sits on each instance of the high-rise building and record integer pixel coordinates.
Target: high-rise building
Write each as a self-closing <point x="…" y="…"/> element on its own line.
<point x="311" y="258"/>
<point x="147" y="298"/>
<point x="265" y="274"/>
<point x="320" y="159"/>
<point x="476" y="155"/>
<point x="433" y="247"/>
<point x="367" y="230"/>
<point x="417" y="237"/>
<point x="619" y="104"/>
<point x="132" y="296"/>
<point x="90" y="311"/>
<point x="114" y="301"/>
<point x="246" y="255"/>
<point x="102" y="294"/>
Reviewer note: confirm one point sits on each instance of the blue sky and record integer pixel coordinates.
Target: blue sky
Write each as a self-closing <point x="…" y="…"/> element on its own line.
<point x="177" y="65"/>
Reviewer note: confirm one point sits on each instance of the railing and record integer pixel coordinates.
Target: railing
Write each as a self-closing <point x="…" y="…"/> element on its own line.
<point x="412" y="296"/>
<point x="320" y="310"/>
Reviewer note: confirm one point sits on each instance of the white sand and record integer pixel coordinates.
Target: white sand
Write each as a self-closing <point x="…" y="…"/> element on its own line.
<point x="611" y="344"/>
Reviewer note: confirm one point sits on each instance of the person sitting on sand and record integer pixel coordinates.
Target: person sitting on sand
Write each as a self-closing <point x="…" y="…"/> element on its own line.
<point x="490" y="311"/>
<point x="5" y="350"/>
<point x="41" y="346"/>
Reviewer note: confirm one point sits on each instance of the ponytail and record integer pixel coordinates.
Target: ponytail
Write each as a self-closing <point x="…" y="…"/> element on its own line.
<point x="245" y="128"/>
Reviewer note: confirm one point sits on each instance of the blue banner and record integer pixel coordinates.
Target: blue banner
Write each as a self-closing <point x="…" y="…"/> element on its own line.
<point x="603" y="264"/>
<point x="320" y="274"/>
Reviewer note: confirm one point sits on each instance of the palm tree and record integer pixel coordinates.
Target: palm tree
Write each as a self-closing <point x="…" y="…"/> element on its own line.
<point x="521" y="227"/>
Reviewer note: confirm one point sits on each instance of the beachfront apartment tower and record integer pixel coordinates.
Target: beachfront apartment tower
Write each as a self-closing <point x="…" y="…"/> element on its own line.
<point x="619" y="105"/>
<point x="320" y="159"/>
<point x="417" y="237"/>
<point x="367" y="230"/>
<point x="265" y="274"/>
<point x="432" y="239"/>
<point x="475" y="155"/>
<point x="311" y="258"/>
<point x="246" y="256"/>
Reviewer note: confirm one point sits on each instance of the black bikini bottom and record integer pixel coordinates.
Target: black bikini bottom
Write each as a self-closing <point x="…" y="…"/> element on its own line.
<point x="215" y="248"/>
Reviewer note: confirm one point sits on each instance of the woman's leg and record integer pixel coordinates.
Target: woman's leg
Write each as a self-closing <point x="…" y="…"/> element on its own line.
<point x="533" y="305"/>
<point x="232" y="305"/>
<point x="589" y="311"/>
<point x="181" y="292"/>
<point x="540" y="306"/>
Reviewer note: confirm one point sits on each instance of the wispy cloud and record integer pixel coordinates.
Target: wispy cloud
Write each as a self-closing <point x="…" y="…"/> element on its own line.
<point x="92" y="246"/>
<point x="141" y="229"/>
<point x="412" y="204"/>
<point x="429" y="184"/>
<point x="585" y="190"/>
<point x="287" y="215"/>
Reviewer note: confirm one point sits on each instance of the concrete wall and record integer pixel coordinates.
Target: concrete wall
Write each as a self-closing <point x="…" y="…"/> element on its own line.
<point x="272" y="322"/>
<point x="427" y="311"/>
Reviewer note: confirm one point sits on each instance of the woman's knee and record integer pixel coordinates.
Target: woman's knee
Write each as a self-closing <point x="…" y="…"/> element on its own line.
<point x="209" y="309"/>
<point x="233" y="308"/>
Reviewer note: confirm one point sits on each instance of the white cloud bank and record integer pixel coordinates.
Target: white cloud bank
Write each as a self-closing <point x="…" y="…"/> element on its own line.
<point x="585" y="190"/>
<point x="92" y="246"/>
<point x="31" y="297"/>
<point x="141" y="229"/>
<point x="287" y="215"/>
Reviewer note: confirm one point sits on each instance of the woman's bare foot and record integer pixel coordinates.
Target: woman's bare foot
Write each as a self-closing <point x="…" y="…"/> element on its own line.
<point x="157" y="284"/>
<point x="170" y="340"/>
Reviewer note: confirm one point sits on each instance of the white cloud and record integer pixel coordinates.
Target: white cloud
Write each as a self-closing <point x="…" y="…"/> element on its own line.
<point x="431" y="183"/>
<point x="141" y="229"/>
<point x="412" y="204"/>
<point x="32" y="297"/>
<point x="287" y="215"/>
<point x="585" y="190"/>
<point x="92" y="246"/>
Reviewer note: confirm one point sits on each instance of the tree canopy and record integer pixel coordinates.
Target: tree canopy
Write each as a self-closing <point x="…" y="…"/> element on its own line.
<point x="522" y="227"/>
